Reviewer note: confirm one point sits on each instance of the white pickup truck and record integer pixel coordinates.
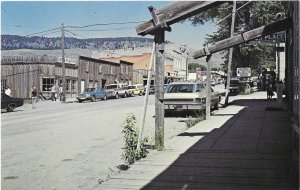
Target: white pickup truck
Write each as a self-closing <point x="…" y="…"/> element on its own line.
<point x="117" y="90"/>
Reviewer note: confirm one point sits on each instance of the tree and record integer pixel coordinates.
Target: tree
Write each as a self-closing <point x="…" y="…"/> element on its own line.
<point x="193" y="67"/>
<point x="251" y="16"/>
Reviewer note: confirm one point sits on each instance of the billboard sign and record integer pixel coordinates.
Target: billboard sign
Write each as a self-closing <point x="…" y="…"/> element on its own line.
<point x="243" y="72"/>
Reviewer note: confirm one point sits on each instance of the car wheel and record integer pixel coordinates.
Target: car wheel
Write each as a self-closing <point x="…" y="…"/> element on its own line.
<point x="125" y="95"/>
<point x="105" y="98"/>
<point x="216" y="107"/>
<point x="93" y="99"/>
<point x="167" y="113"/>
<point x="117" y="96"/>
<point x="10" y="108"/>
<point x="140" y="94"/>
<point x="79" y="101"/>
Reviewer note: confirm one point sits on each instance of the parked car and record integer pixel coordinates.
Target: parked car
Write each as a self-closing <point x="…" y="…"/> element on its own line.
<point x="151" y="89"/>
<point x="92" y="94"/>
<point x="234" y="84"/>
<point x="136" y="89"/>
<point x="220" y="81"/>
<point x="188" y="96"/>
<point x="117" y="90"/>
<point x="10" y="103"/>
<point x="237" y="82"/>
<point x="213" y="83"/>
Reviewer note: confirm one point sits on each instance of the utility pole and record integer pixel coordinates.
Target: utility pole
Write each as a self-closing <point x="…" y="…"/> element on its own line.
<point x="159" y="88"/>
<point x="230" y="55"/>
<point x="63" y="61"/>
<point x="208" y="87"/>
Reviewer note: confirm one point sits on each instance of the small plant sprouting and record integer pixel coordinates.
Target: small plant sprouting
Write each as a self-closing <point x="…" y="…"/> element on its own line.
<point x="191" y="121"/>
<point x="131" y="134"/>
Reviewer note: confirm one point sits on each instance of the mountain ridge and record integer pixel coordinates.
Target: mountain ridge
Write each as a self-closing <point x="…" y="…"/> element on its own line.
<point x="13" y="42"/>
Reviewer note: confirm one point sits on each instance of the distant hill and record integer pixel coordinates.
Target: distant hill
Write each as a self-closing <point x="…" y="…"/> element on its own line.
<point x="11" y="42"/>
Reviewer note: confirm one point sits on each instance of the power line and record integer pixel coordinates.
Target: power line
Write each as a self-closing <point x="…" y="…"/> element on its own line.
<point x="124" y="28"/>
<point x="106" y="24"/>
<point x="242" y="20"/>
<point x="48" y="33"/>
<point x="85" y="26"/>
<point x="231" y="13"/>
<point x="42" y="32"/>
<point x="75" y="34"/>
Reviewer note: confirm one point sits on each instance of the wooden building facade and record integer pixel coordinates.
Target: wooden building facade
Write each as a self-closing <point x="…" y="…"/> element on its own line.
<point x="20" y="74"/>
<point x="97" y="73"/>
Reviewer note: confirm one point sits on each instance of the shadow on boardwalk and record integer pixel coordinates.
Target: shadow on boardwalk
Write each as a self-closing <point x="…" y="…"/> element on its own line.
<point x="252" y="150"/>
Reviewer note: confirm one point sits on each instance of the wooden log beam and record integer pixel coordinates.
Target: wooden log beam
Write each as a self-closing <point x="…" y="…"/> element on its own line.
<point x="244" y="37"/>
<point x="175" y="12"/>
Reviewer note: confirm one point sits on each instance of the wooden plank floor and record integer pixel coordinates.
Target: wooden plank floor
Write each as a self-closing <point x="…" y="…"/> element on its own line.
<point x="249" y="150"/>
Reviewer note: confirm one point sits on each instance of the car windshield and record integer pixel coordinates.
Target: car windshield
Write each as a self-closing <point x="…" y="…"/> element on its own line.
<point x="200" y="87"/>
<point x="111" y="86"/>
<point x="234" y="81"/>
<point x="89" y="90"/>
<point x="245" y="79"/>
<point x="180" y="88"/>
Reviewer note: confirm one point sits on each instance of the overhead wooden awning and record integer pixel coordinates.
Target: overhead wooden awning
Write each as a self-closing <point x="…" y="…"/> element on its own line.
<point x="173" y="13"/>
<point x="244" y="37"/>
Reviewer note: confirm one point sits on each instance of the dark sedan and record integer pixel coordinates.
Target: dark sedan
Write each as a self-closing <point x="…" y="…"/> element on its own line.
<point x="10" y="103"/>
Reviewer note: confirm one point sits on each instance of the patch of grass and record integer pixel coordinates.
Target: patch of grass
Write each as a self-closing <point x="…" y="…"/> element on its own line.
<point x="191" y="121"/>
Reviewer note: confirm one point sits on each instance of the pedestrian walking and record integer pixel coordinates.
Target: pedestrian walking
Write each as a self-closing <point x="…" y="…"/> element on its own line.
<point x="60" y="91"/>
<point x="53" y="92"/>
<point x="34" y="97"/>
<point x="270" y="92"/>
<point x="7" y="91"/>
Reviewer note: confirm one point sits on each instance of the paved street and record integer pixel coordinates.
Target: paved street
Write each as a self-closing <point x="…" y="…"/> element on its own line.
<point x="72" y="145"/>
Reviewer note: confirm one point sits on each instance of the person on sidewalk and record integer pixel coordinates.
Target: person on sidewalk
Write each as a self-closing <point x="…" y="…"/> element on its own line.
<point x="270" y="92"/>
<point x="53" y="92"/>
<point x="60" y="91"/>
<point x="34" y="97"/>
<point x="7" y="91"/>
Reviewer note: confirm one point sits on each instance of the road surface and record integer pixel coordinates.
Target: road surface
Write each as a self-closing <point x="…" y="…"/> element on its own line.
<point x="70" y="145"/>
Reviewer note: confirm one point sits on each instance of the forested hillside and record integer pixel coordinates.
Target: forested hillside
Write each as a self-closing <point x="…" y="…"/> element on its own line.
<point x="9" y="42"/>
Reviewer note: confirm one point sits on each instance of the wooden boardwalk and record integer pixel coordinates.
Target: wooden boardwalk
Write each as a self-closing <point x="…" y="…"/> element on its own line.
<point x="243" y="146"/>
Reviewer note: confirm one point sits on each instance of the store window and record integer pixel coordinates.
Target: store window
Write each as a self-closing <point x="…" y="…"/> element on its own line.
<point x="3" y="85"/>
<point x="68" y="85"/>
<point x="73" y="86"/>
<point x="47" y="84"/>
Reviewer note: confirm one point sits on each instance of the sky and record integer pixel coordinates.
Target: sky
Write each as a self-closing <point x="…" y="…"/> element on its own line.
<point x="29" y="17"/>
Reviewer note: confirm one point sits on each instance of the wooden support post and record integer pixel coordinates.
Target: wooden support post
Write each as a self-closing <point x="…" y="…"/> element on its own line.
<point x="208" y="87"/>
<point x="159" y="88"/>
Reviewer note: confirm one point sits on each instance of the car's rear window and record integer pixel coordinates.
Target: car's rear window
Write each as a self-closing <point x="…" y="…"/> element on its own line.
<point x="89" y="90"/>
<point x="111" y="86"/>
